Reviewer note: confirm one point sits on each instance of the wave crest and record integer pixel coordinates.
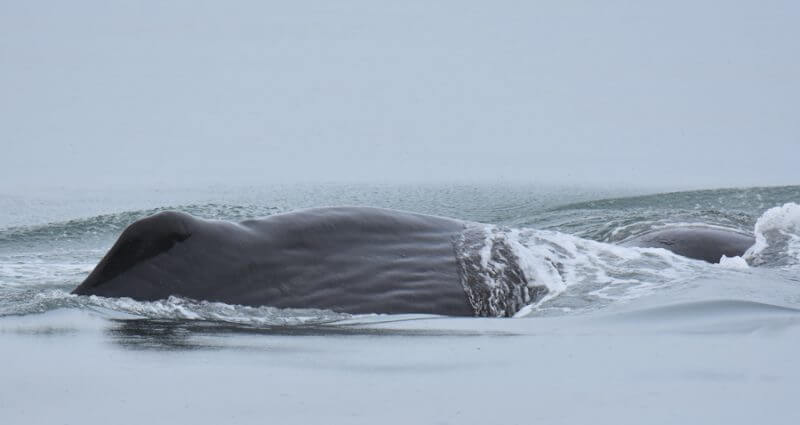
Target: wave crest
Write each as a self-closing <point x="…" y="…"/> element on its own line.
<point x="777" y="234"/>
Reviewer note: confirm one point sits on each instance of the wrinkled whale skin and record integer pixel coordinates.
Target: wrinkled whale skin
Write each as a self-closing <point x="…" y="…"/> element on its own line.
<point x="346" y="259"/>
<point x="697" y="242"/>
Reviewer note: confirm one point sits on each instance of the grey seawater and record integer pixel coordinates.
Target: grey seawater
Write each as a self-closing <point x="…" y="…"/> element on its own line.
<point x="624" y="334"/>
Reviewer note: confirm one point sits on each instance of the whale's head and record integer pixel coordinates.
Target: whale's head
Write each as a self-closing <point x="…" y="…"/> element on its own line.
<point x="136" y="254"/>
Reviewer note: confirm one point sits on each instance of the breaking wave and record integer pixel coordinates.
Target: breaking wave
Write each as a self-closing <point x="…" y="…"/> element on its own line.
<point x="777" y="234"/>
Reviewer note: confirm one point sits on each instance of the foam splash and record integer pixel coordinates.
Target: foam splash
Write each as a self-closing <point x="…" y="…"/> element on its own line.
<point x="187" y="309"/>
<point x="733" y="263"/>
<point x="497" y="282"/>
<point x="508" y="272"/>
<point x="777" y="234"/>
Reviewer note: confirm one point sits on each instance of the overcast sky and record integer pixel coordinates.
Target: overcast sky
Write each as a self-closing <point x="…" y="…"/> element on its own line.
<point x="668" y="93"/>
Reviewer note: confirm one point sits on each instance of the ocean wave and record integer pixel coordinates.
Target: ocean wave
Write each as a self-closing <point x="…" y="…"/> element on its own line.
<point x="617" y="219"/>
<point x="106" y="225"/>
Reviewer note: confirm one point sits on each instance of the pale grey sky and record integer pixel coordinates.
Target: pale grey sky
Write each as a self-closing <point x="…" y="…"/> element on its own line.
<point x="668" y="93"/>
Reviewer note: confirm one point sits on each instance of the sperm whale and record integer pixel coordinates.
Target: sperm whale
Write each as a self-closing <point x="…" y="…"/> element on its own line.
<point x="346" y="259"/>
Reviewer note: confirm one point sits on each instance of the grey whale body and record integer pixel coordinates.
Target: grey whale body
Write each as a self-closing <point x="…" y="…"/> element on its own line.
<point x="354" y="260"/>
<point x="345" y="259"/>
<point x="701" y="243"/>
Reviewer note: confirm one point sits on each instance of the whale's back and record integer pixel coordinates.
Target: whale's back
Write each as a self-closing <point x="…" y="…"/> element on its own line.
<point x="348" y="259"/>
<point x="701" y="243"/>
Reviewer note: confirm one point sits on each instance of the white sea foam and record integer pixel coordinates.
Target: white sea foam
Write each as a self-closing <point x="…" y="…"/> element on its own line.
<point x="178" y="308"/>
<point x="777" y="234"/>
<point x="182" y="308"/>
<point x="555" y="266"/>
<point x="735" y="262"/>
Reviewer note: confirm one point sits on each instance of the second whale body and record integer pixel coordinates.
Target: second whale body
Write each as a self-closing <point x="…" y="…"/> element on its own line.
<point x="699" y="242"/>
<point x="345" y="259"/>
